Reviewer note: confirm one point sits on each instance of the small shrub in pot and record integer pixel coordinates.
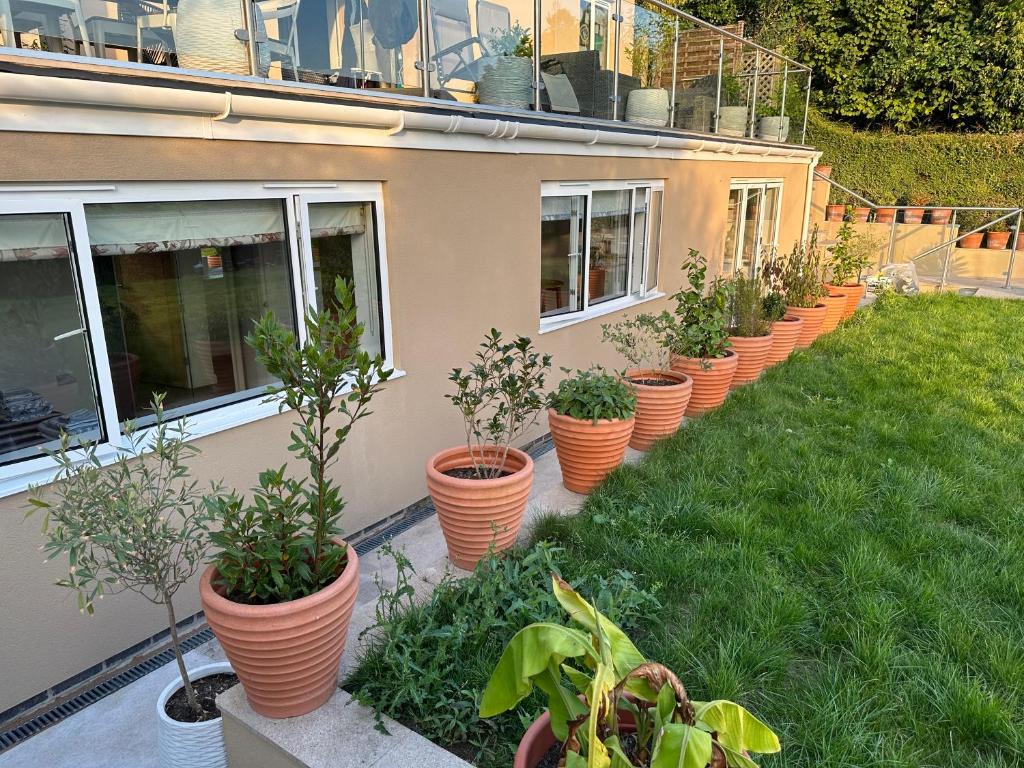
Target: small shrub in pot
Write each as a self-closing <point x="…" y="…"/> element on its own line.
<point x="852" y="253"/>
<point x="591" y="416"/>
<point x="480" y="489"/>
<point x="785" y="327"/>
<point x="749" y="327"/>
<point x="803" y="287"/>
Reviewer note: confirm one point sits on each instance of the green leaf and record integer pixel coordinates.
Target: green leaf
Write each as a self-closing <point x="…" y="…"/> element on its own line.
<point x="736" y="728"/>
<point x="562" y="704"/>
<point x="682" y="746"/>
<point x="737" y="759"/>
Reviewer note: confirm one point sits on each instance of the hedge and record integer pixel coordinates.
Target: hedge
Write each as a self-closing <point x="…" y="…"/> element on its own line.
<point x="935" y="168"/>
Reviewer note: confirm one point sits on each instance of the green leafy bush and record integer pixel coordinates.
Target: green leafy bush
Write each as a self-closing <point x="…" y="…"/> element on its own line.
<point x="699" y="327"/>
<point x="803" y="275"/>
<point x="852" y="253"/>
<point x="593" y="395"/>
<point x="746" y="307"/>
<point x="639" y="340"/>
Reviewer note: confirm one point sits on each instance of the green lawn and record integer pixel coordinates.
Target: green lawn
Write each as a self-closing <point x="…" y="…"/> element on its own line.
<point x="840" y="548"/>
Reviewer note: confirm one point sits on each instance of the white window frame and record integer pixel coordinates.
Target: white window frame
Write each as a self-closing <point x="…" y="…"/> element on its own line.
<point x="71" y="200"/>
<point x="744" y="186"/>
<point x="631" y="299"/>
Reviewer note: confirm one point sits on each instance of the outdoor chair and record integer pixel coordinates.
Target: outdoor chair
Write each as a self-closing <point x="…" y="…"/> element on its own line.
<point x="592" y="85"/>
<point x="458" y="53"/>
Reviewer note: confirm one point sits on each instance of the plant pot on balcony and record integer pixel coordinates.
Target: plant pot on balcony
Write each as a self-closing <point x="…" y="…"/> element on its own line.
<point x="732" y="121"/>
<point x="834" y="212"/>
<point x="940" y="215"/>
<point x="712" y="377"/>
<point x="813" y="318"/>
<point x="661" y="400"/>
<point x="835" y="306"/>
<point x="286" y="655"/>
<point x="861" y="213"/>
<point x="204" y="37"/>
<point x="197" y="745"/>
<point x="854" y="293"/>
<point x="913" y="215"/>
<point x="752" y="352"/>
<point x="648" y="106"/>
<point x="785" y="333"/>
<point x="588" y="451"/>
<point x="971" y="241"/>
<point x="997" y="241"/>
<point x="507" y="82"/>
<point x="476" y="514"/>
<point x="773" y="128"/>
<point x="885" y="215"/>
<point x="824" y="170"/>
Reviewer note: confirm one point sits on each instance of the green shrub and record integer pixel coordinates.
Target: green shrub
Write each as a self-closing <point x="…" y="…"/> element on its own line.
<point x="699" y="327"/>
<point x="746" y="307"/>
<point x="592" y="395"/>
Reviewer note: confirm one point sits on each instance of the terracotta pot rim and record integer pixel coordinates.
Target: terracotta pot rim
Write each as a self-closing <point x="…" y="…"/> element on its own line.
<point x="553" y="414"/>
<point x="835" y="295"/>
<point x="728" y="353"/>
<point x="463" y="482"/>
<point x="759" y="336"/>
<point x="789" y="319"/>
<point x="816" y="306"/>
<point x="275" y="610"/>
<point x="678" y="377"/>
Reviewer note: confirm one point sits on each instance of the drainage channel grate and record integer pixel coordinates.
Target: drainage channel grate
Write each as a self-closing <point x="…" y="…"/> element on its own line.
<point x="415" y="514"/>
<point x="53" y="716"/>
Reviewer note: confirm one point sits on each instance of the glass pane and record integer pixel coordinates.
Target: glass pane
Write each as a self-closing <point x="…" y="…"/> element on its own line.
<point x="696" y="77"/>
<point x="645" y="64"/>
<point x="577" y="57"/>
<point x="343" y="244"/>
<point x="751" y="224"/>
<point x="738" y="64"/>
<point x="562" y="235"/>
<point x="334" y="42"/>
<point x="654" y="236"/>
<point x="609" y="245"/>
<point x="636" y="277"/>
<point x="769" y="236"/>
<point x="732" y="226"/>
<point x="180" y="286"/>
<point x="46" y="383"/>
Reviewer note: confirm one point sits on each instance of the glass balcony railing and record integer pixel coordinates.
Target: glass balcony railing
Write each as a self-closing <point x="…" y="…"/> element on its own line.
<point x="637" y="61"/>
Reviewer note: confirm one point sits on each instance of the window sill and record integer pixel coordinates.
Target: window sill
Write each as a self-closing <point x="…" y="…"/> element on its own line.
<point x="18" y="477"/>
<point x="549" y="324"/>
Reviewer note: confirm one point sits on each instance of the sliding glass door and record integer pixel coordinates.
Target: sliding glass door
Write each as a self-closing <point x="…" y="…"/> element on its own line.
<point x="752" y="224"/>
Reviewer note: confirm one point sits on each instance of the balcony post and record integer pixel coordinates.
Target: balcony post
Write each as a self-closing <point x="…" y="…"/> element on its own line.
<point x="752" y="130"/>
<point x="949" y="251"/>
<point x="782" y="103"/>
<point x="423" y="11"/>
<point x="1013" y="251"/>
<point x="618" y="44"/>
<point x="675" y="70"/>
<point x="251" y="52"/>
<point x="718" y="90"/>
<point x="807" y="109"/>
<point x="537" y="84"/>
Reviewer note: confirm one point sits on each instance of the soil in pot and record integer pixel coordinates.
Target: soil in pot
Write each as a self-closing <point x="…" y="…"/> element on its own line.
<point x="711" y="383"/>
<point x="207" y="689"/>
<point x="626" y="740"/>
<point x="834" y="212"/>
<point x="835" y="306"/>
<point x="813" y="317"/>
<point x="468" y="473"/>
<point x="661" y="400"/>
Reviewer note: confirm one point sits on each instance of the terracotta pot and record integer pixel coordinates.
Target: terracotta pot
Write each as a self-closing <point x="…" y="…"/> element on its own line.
<point x="834" y="212"/>
<point x="595" y="282"/>
<point x="711" y="385"/>
<point x="752" y="352"/>
<point x="971" y="241"/>
<point x="940" y="215"/>
<point x="286" y="655"/>
<point x="913" y="215"/>
<point x="476" y="513"/>
<point x="659" y="409"/>
<point x="587" y="451"/>
<point x="813" y="317"/>
<point x="824" y="170"/>
<point x="861" y="213"/>
<point x="835" y="306"/>
<point x="785" y="333"/>
<point x="885" y="215"/>
<point x="997" y="241"/>
<point x="854" y="293"/>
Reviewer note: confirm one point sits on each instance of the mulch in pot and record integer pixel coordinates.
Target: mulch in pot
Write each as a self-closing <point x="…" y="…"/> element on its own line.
<point x="627" y="740"/>
<point x="657" y="382"/>
<point x="207" y="689"/>
<point x="468" y="473"/>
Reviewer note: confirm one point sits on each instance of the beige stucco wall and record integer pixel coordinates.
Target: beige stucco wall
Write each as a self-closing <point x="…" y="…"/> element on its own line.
<point x="463" y="255"/>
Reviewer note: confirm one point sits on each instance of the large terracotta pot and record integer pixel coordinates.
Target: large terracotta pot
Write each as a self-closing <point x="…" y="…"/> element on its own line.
<point x="834" y="212"/>
<point x="970" y="241"/>
<point x="997" y="241"/>
<point x="854" y="293"/>
<point x="913" y="215"/>
<point x="861" y="213"/>
<point x="752" y="352"/>
<point x="813" y="317"/>
<point x="476" y="513"/>
<point x="885" y="215"/>
<point x="835" y="306"/>
<point x="595" y="282"/>
<point x="711" y="384"/>
<point x="940" y="215"/>
<point x="785" y="333"/>
<point x="286" y="655"/>
<point x="659" y="408"/>
<point x="587" y="451"/>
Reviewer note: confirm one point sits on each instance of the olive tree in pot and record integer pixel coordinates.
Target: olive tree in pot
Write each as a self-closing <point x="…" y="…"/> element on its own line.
<point x="697" y="336"/>
<point x="480" y="489"/>
<point x="851" y="254"/>
<point x="141" y="526"/>
<point x="661" y="393"/>
<point x="750" y="330"/>
<point x="507" y="80"/>
<point x="280" y="591"/>
<point x="803" y="288"/>
<point x="591" y="417"/>
<point x="610" y="706"/>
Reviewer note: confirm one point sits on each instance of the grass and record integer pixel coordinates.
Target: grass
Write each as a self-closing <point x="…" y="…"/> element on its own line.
<point x="841" y="546"/>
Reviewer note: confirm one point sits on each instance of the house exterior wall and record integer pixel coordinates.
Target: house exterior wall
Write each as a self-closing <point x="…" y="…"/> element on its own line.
<point x="463" y="247"/>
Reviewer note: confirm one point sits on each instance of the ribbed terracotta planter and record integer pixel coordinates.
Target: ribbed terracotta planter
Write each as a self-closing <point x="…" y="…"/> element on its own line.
<point x="885" y="215"/>
<point x="835" y="306"/>
<point x="586" y="451"/>
<point x="752" y="352"/>
<point x="785" y="333"/>
<point x="854" y="293"/>
<point x="286" y="655"/>
<point x="834" y="212"/>
<point x="711" y="385"/>
<point x="659" y="409"/>
<point x="476" y="513"/>
<point x="813" y="317"/>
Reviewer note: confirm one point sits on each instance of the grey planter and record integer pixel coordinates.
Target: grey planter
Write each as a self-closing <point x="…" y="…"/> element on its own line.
<point x="648" y="106"/>
<point x="508" y="82"/>
<point x="732" y="121"/>
<point x="768" y="128"/>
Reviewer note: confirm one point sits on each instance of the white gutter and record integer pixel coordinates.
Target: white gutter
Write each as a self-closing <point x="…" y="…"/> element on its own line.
<point x="220" y="106"/>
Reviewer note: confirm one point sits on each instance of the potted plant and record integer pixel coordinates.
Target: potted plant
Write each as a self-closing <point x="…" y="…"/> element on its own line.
<point x="648" y="104"/>
<point x="851" y="254"/>
<point x="732" y="115"/>
<point x="141" y="526"/>
<point x="771" y="124"/>
<point x="591" y="417"/>
<point x="608" y="705"/>
<point x="750" y="331"/>
<point x="914" y="214"/>
<point x="697" y="335"/>
<point x="480" y="488"/>
<point x="940" y="216"/>
<point x="998" y="235"/>
<point x="803" y="288"/>
<point x="507" y="81"/>
<point x="785" y="327"/>
<point x="280" y="591"/>
<point x="835" y="211"/>
<point x="823" y="170"/>
<point x="597" y="274"/>
<point x="661" y="393"/>
<point x="967" y="221"/>
<point x="885" y="213"/>
<point x="858" y="213"/>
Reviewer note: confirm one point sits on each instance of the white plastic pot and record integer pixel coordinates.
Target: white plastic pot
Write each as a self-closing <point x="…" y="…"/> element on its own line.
<point x="648" y="106"/>
<point x="191" y="745"/>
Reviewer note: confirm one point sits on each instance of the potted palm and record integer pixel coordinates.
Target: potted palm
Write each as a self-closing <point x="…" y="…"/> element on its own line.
<point x="851" y="254"/>
<point x="661" y="393"/>
<point x="697" y="335"/>
<point x="280" y="590"/>
<point x="609" y="705"/>
<point x="649" y="104"/>
<point x="803" y="288"/>
<point x="750" y="330"/>
<point x="507" y="81"/>
<point x="591" y="416"/>
<point x="480" y="488"/>
<point x="141" y="526"/>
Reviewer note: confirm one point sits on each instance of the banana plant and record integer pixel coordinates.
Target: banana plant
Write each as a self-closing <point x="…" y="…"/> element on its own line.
<point x="593" y="677"/>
